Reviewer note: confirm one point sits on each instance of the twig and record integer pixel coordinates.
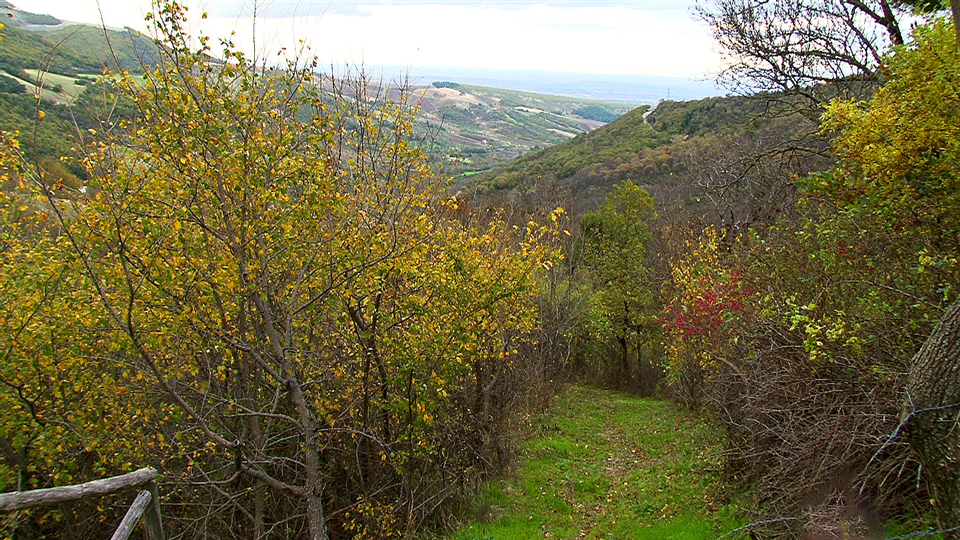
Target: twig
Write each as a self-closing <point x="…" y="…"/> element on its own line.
<point x="922" y="534"/>
<point x="899" y="430"/>
<point x="757" y="524"/>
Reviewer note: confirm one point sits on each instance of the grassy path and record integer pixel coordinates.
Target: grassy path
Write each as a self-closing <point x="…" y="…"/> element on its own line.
<point x="603" y="465"/>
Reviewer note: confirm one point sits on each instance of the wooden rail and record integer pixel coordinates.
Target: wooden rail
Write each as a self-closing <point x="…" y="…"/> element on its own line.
<point x="147" y="501"/>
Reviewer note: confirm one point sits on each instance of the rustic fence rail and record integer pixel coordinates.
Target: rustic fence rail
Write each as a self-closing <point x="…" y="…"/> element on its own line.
<point x="147" y="503"/>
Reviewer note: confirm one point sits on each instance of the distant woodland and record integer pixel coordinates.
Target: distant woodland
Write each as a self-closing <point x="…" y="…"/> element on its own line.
<point x="263" y="282"/>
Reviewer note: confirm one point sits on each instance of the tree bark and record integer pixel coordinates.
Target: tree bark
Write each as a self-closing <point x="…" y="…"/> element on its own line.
<point x="933" y="415"/>
<point x="624" y="356"/>
<point x="955" y="10"/>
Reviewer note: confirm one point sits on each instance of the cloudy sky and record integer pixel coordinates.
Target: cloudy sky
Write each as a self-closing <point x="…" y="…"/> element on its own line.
<point x="641" y="37"/>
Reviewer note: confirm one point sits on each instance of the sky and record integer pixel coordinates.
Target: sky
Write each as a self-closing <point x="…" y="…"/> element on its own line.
<point x="640" y="37"/>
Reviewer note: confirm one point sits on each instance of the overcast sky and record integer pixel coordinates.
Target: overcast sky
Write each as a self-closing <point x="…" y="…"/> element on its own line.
<point x="642" y="37"/>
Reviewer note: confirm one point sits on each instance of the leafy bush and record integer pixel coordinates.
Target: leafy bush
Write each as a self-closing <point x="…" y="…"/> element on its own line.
<point x="10" y="86"/>
<point x="285" y="314"/>
<point x="800" y="335"/>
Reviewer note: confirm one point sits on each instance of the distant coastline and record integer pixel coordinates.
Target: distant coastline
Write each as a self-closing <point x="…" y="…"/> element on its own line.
<point x="633" y="89"/>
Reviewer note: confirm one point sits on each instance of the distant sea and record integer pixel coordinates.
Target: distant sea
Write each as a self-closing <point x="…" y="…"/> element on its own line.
<point x="634" y="89"/>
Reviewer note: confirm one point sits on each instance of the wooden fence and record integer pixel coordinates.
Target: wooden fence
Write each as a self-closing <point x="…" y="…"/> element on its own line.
<point x="147" y="501"/>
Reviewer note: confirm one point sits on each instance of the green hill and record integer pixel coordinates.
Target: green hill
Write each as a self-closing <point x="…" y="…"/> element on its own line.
<point x="126" y="49"/>
<point x="471" y="127"/>
<point x="75" y="49"/>
<point x="41" y="56"/>
<point x="17" y="17"/>
<point x="653" y="148"/>
<point x="627" y="134"/>
<point x="31" y="50"/>
<point x="477" y="127"/>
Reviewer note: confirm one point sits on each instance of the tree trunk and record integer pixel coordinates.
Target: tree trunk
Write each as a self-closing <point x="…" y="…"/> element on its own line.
<point x="624" y="356"/>
<point x="955" y="10"/>
<point x="315" y="517"/>
<point x="259" y="505"/>
<point x="314" y="480"/>
<point x="933" y="414"/>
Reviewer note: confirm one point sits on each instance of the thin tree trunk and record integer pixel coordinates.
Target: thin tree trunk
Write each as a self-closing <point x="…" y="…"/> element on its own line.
<point x="624" y="355"/>
<point x="258" y="511"/>
<point x="955" y="8"/>
<point x="314" y="481"/>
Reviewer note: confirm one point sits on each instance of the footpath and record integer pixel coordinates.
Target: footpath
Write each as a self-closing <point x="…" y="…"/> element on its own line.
<point x="606" y="465"/>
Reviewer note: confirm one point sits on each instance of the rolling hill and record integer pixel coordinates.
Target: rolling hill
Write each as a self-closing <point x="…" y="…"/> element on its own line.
<point x="478" y="127"/>
<point x="37" y="41"/>
<point x="654" y="147"/>
<point x="471" y="128"/>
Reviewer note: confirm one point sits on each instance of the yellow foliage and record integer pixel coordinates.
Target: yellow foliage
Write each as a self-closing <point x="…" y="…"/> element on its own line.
<point x="268" y="261"/>
<point x="900" y="150"/>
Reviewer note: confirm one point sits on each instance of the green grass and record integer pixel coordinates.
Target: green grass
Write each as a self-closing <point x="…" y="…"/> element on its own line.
<point x="70" y="89"/>
<point x="50" y="80"/>
<point x="612" y="466"/>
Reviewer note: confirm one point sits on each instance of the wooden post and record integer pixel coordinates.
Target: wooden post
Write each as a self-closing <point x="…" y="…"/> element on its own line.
<point x="132" y="516"/>
<point x="153" y="521"/>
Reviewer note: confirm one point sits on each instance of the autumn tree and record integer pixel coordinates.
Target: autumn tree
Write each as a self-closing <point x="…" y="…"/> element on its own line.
<point x="705" y="297"/>
<point x="273" y="264"/>
<point x="613" y="243"/>
<point x="900" y="153"/>
<point x="61" y="403"/>
<point x="900" y="149"/>
<point x="812" y="48"/>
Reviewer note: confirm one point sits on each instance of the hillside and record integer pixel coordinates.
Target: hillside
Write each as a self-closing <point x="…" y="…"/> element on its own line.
<point x="472" y="128"/>
<point x="651" y="147"/>
<point x="475" y="128"/>
<point x="37" y="41"/>
<point x="478" y="127"/>
<point x="629" y="134"/>
<point x="62" y="63"/>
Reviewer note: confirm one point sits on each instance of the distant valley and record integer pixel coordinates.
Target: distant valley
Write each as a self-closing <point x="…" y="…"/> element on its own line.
<point x="476" y="119"/>
<point x="477" y="127"/>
